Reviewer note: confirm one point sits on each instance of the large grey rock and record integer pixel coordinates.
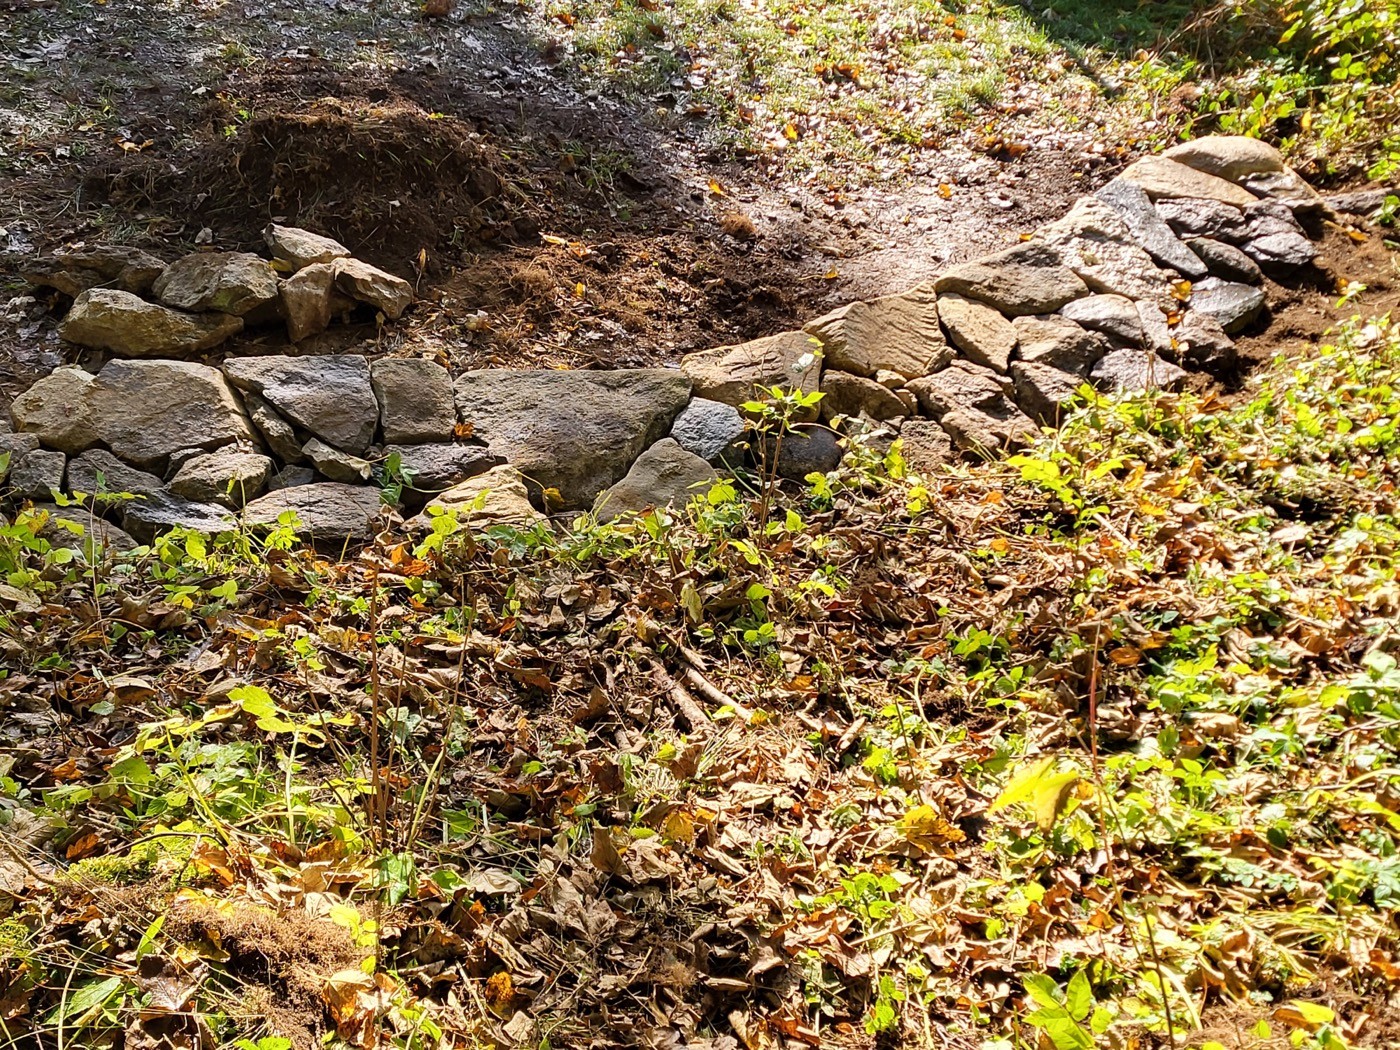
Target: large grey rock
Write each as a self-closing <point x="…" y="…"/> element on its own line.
<point x="300" y="248"/>
<point x="1226" y="261"/>
<point x="1043" y="391"/>
<point x="364" y="283"/>
<point x="807" y="448"/>
<point x="229" y="476"/>
<point x="1267" y="218"/>
<point x="149" y="515"/>
<point x="289" y="477"/>
<point x="736" y="374"/>
<point x="104" y="481"/>
<point x="1114" y="316"/>
<point x="37" y="474"/>
<point x="960" y="385"/>
<point x="1233" y="304"/>
<point x="1029" y="278"/>
<point x="1096" y="243"/>
<point x="1361" y="202"/>
<point x="334" y="464"/>
<point x="974" y="407"/>
<point x="1161" y="178"/>
<point x="498" y="497"/>
<point x="1204" y="345"/>
<point x="330" y="395"/>
<point x="979" y="331"/>
<point x="896" y="333"/>
<point x="415" y="400"/>
<point x="432" y="468"/>
<point x="309" y="300"/>
<point x="1231" y="157"/>
<point x="1131" y="371"/>
<point x="238" y="283"/>
<point x="56" y="410"/>
<point x="844" y="394"/>
<point x="711" y="430"/>
<point x="1148" y="228"/>
<point x="984" y="432"/>
<point x="1204" y="218"/>
<point x="1055" y="340"/>
<point x="81" y="531"/>
<point x="925" y="446"/>
<point x="325" y="512"/>
<point x="128" y="326"/>
<point x="145" y="410"/>
<point x="13" y="448"/>
<point x="1281" y="252"/>
<point x="1288" y="188"/>
<point x="101" y="266"/>
<point x="664" y="475"/>
<point x="279" y="435"/>
<point x="574" y="432"/>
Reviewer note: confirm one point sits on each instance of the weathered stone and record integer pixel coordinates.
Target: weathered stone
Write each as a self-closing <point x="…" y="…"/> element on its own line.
<point x="229" y="476"/>
<point x="335" y="464"/>
<point x="329" y="395"/>
<point x="986" y="431"/>
<point x="1267" y="218"/>
<point x="308" y="300"/>
<point x="81" y="531"/>
<point x="1287" y="187"/>
<point x="573" y="431"/>
<point x="1055" y="340"/>
<point x="664" y="475"/>
<point x="893" y="380"/>
<point x="1114" y="316"/>
<point x="925" y="446"/>
<point x="1203" y="344"/>
<point x="434" y="467"/>
<point x="498" y="497"/>
<point x="1281" y="252"/>
<point x="898" y="333"/>
<point x="289" y="477"/>
<point x="415" y="400"/>
<point x="38" y="474"/>
<point x="1043" y="391"/>
<point x="325" y="511"/>
<point x="1226" y="261"/>
<point x="1233" y="304"/>
<point x="960" y="385"/>
<point x="13" y="448"/>
<point x="711" y="430"/>
<point x="807" y="448"/>
<point x="983" y="335"/>
<point x="1097" y="244"/>
<point x="844" y="394"/>
<point x="1204" y="218"/>
<point x="1131" y="371"/>
<point x="101" y="266"/>
<point x="1161" y="178"/>
<point x="103" y="480"/>
<point x="1026" y="279"/>
<point x="1148" y="227"/>
<point x="1232" y="157"/>
<point x="149" y="515"/>
<point x="364" y="283"/>
<point x="1360" y="202"/>
<point x="238" y="283"/>
<point x="128" y="326"/>
<point x="56" y="410"/>
<point x="300" y="248"/>
<point x="145" y="410"/>
<point x="1156" y="333"/>
<point x="736" y="374"/>
<point x="279" y="435"/>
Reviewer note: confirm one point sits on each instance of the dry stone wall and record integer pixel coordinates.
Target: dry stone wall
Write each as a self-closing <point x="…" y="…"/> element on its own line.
<point x="1140" y="284"/>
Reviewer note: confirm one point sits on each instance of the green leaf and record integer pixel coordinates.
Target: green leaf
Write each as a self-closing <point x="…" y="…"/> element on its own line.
<point x="1043" y="989"/>
<point x="148" y="939"/>
<point x="1037" y="787"/>
<point x="86" y="999"/>
<point x="1079" y="996"/>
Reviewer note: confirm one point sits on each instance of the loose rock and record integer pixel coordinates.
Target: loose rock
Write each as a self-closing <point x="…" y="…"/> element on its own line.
<point x="574" y="432"/>
<point x="364" y="283"/>
<point x="102" y="266"/>
<point x="81" y="531"/>
<point x="1203" y="344"/>
<point x="1232" y="157"/>
<point x="850" y="395"/>
<point x="56" y="410"/>
<point x="664" y="475"/>
<point x="1281" y="252"/>
<point x="127" y="325"/>
<point x="309" y="300"/>
<point x="159" y="511"/>
<point x="277" y="433"/>
<point x="238" y="283"/>
<point x="925" y="446"/>
<point x="1026" y="279"/>
<point x="735" y="374"/>
<point x="1148" y="228"/>
<point x="1162" y="178"/>
<point x="983" y="335"/>
<point x="711" y="430"/>
<point x="1233" y="304"/>
<point x="335" y="464"/>
<point x="1055" y="340"/>
<point x="330" y="395"/>
<point x="326" y="511"/>
<point x="228" y="476"/>
<point x="1156" y="334"/>
<point x="1096" y="243"/>
<point x="960" y="385"/>
<point x="104" y="480"/>
<point x="1043" y="391"/>
<point x="1114" y="316"/>
<point x="807" y="448"/>
<point x="301" y="248"/>
<point x="38" y="474"/>
<point x="498" y="497"/>
<point x="986" y="431"/>
<point x="1204" y="218"/>
<point x="415" y="400"/>
<point x="1136" y="370"/>
<point x="1287" y="187"/>
<point x="897" y="333"/>
<point x="432" y="468"/>
<point x="1226" y="261"/>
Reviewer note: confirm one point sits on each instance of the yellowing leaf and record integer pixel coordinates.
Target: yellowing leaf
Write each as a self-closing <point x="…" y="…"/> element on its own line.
<point x="1309" y="1016"/>
<point x="1036" y="785"/>
<point x="925" y="828"/>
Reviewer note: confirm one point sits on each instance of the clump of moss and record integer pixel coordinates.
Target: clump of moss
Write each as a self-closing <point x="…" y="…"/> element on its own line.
<point x="162" y="862"/>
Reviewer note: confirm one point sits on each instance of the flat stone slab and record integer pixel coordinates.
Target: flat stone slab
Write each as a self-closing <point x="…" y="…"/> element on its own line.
<point x="128" y="326"/>
<point x="1148" y="227"/>
<point x="1132" y="371"/>
<point x="1097" y="244"/>
<point x="237" y="283"/>
<point x="844" y="394"/>
<point x="300" y="248"/>
<point x="664" y="475"/>
<point x="1043" y="391"/>
<point x="576" y="433"/>
<point x="100" y="266"/>
<point x="736" y="374"/>
<point x="497" y="498"/>
<point x="1233" y="304"/>
<point x="1230" y="157"/>
<point x="329" y="395"/>
<point x="895" y="333"/>
<point x="325" y="511"/>
<point x="364" y="283"/>
<point x="1161" y="178"/>
<point x="415" y="400"/>
<point x="1057" y="341"/>
<point x="1026" y="279"/>
<point x="434" y="467"/>
<point x="1115" y="316"/>
<point x="1226" y="261"/>
<point x="56" y="410"/>
<point x="979" y="331"/>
